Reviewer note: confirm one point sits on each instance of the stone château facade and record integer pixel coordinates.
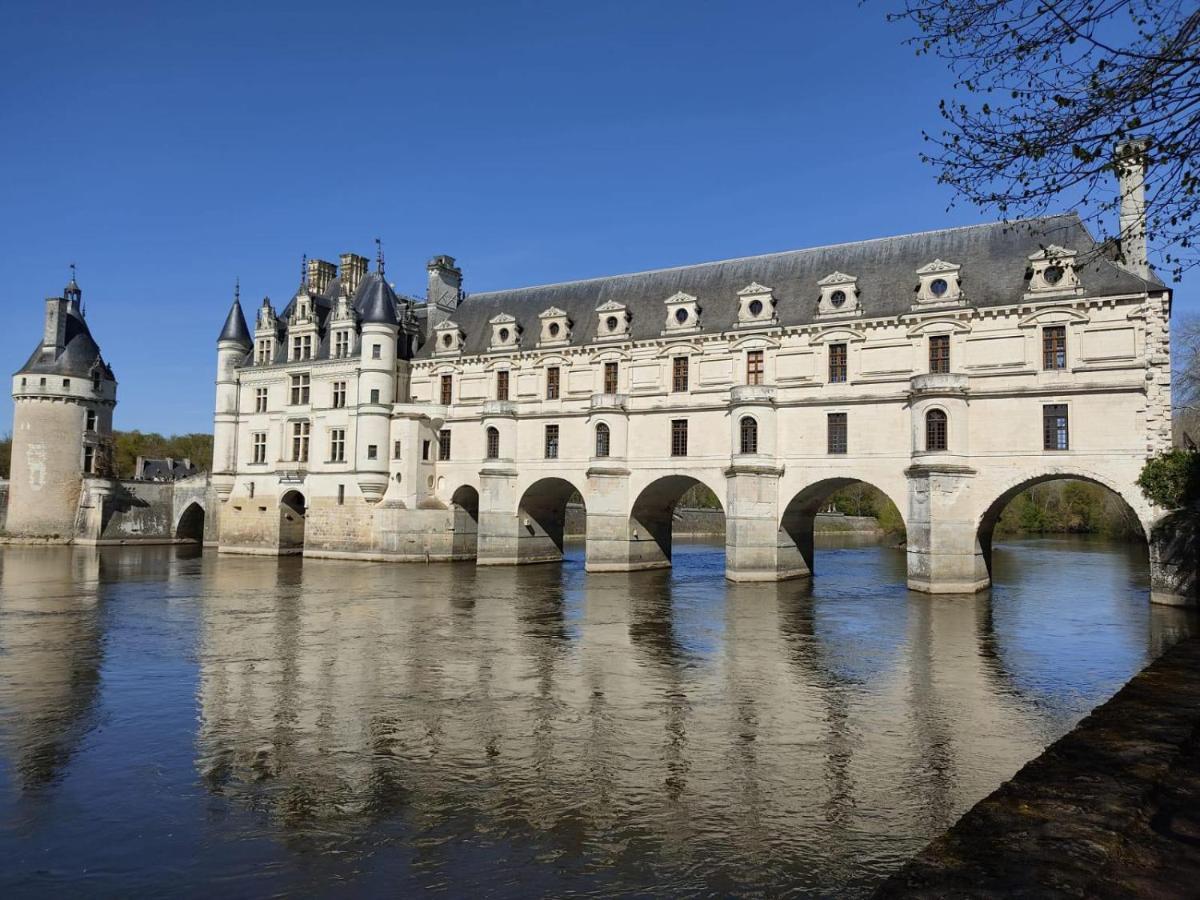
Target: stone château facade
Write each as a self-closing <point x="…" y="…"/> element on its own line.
<point x="950" y="369"/>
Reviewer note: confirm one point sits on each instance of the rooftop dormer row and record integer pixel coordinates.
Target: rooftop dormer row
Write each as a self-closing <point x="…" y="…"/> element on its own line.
<point x="1050" y="273"/>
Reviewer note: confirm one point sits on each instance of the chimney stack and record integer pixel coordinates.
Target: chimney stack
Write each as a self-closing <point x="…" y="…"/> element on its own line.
<point x="320" y="273"/>
<point x="1131" y="175"/>
<point x="352" y="270"/>
<point x="55" y="338"/>
<point x="445" y="282"/>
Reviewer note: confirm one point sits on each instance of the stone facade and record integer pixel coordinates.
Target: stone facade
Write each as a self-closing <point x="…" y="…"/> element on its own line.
<point x="950" y="370"/>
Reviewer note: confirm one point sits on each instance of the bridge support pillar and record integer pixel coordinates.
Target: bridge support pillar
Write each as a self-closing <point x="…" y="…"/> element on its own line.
<point x="1175" y="560"/>
<point x="756" y="548"/>
<point x="509" y="536"/>
<point x="615" y="542"/>
<point x="943" y="554"/>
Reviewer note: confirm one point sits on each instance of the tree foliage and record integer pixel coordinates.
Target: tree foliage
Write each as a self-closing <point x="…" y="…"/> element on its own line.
<point x="5" y="456"/>
<point x="1172" y="479"/>
<point x="1046" y="89"/>
<point x="1068" y="507"/>
<point x="129" y="445"/>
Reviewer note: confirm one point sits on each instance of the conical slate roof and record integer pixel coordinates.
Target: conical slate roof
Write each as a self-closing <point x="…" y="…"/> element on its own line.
<point x="80" y="351"/>
<point x="375" y="301"/>
<point x="235" y="327"/>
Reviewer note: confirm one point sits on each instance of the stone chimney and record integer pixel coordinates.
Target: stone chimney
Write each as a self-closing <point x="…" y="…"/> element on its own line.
<point x="1131" y="175"/>
<point x="55" y="337"/>
<point x="353" y="268"/>
<point x="445" y="282"/>
<point x="320" y="273"/>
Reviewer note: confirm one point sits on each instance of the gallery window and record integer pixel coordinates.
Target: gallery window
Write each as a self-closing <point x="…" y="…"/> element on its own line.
<point x="493" y="443"/>
<point x="444" y="444"/>
<point x="755" y="364"/>
<point x="935" y="430"/>
<point x="552" y="383"/>
<point x="679" y="434"/>
<point x="749" y="434"/>
<point x="1054" y="427"/>
<point x="837" y="363"/>
<point x="939" y="354"/>
<point x="447" y="389"/>
<point x="603" y="440"/>
<point x="610" y="377"/>
<point x="551" y="442"/>
<point x="1054" y="347"/>
<point x="502" y="384"/>
<point x="837" y="437"/>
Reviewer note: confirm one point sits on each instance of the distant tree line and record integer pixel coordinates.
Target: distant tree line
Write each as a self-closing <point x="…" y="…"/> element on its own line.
<point x="129" y="445"/>
<point x="5" y="455"/>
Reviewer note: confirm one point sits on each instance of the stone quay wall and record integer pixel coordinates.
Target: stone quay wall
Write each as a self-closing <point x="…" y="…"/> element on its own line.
<point x="3" y="503"/>
<point x="1110" y="810"/>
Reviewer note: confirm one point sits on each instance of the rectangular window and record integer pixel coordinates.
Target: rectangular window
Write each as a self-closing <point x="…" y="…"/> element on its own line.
<point x="502" y="384"/>
<point x="262" y="355"/>
<point x="337" y="445"/>
<point x="551" y="442"/>
<point x="341" y="344"/>
<point x="372" y="451"/>
<point x="376" y="351"/>
<point x="1054" y="347"/>
<point x="493" y="443"/>
<point x="395" y="449"/>
<point x="302" y="347"/>
<point x="610" y="377"/>
<point x="754" y="367"/>
<point x="374" y="395"/>
<point x="837" y="363"/>
<point x="339" y="394"/>
<point x="552" y="383"/>
<point x="679" y="437"/>
<point x="66" y="382"/>
<point x="89" y="458"/>
<point x="1054" y="427"/>
<point x="837" y="433"/>
<point x="447" y="389"/>
<point x="260" y="399"/>
<point x="300" y="441"/>
<point x="341" y="495"/>
<point x="300" y="384"/>
<point x="444" y="444"/>
<point x="679" y="374"/>
<point x="939" y="354"/>
<point x="259" y="444"/>
<point x="91" y="420"/>
<point x="425" y="451"/>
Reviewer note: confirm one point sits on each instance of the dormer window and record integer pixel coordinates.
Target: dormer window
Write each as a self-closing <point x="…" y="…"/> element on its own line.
<point x="448" y="338"/>
<point x="614" y="321"/>
<point x="940" y="284"/>
<point x="756" y="306"/>
<point x="683" y="314"/>
<point x="839" y="295"/>
<point x="505" y="332"/>
<point x="1052" y="271"/>
<point x="556" y="328"/>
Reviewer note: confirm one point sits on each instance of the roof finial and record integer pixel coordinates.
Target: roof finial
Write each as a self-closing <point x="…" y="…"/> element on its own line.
<point x="237" y="289"/>
<point x="304" y="270"/>
<point x="72" y="272"/>
<point x="379" y="256"/>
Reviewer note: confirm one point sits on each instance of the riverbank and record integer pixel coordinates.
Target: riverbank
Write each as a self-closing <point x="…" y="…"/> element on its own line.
<point x="1110" y="810"/>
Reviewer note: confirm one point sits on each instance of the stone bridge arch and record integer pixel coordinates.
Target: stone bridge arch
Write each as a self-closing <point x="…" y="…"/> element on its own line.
<point x="797" y="521"/>
<point x="189" y="524"/>
<point x="652" y="517"/>
<point x="464" y="507"/>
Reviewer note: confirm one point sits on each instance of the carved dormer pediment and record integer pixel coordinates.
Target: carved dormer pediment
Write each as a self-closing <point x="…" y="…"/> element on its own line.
<point x="1052" y="271"/>
<point x="506" y="333"/>
<point x="613" y="321"/>
<point x="448" y="338"/>
<point x="839" y="295"/>
<point x="683" y="314"/>
<point x="555" y="327"/>
<point x="756" y="306"/>
<point x="940" y="284"/>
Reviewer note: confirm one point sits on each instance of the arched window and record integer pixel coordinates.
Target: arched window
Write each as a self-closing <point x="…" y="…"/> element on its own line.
<point x="602" y="440"/>
<point x="935" y="430"/>
<point x="749" y="429"/>
<point x="493" y="443"/>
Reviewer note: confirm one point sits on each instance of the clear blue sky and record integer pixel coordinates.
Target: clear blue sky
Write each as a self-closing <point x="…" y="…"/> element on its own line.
<point x="167" y="149"/>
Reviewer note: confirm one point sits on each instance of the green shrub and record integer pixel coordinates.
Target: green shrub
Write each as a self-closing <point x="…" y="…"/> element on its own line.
<point x="1172" y="479"/>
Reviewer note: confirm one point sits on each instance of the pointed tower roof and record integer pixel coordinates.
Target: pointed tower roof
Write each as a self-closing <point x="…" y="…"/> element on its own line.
<point x="235" y="323"/>
<point x="375" y="300"/>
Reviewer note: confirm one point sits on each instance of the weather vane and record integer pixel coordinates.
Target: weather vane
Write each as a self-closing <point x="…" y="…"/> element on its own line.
<point x="379" y="256"/>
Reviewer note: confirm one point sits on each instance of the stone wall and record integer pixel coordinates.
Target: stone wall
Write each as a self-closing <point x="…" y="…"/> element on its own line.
<point x="3" y="503"/>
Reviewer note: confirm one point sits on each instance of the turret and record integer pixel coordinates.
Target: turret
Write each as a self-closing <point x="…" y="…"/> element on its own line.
<point x="377" y="309"/>
<point x="233" y="344"/>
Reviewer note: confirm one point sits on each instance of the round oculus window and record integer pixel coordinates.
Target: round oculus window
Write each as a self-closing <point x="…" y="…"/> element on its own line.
<point x="447" y="340"/>
<point x="554" y="329"/>
<point x="837" y="298"/>
<point x="611" y="323"/>
<point x="938" y="286"/>
<point x="755" y="307"/>
<point x="504" y="335"/>
<point x="1053" y="274"/>
<point x="681" y="315"/>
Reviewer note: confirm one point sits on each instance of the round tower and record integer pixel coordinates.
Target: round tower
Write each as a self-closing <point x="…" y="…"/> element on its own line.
<point x="63" y="399"/>
<point x="233" y="344"/>
<point x="376" y="303"/>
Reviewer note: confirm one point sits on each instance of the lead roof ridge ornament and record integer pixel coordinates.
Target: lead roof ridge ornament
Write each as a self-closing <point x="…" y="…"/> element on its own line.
<point x="837" y="277"/>
<point x="754" y="288"/>
<point x="938" y="265"/>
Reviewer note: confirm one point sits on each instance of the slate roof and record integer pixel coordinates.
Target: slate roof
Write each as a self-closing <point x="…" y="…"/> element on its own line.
<point x="80" y="352"/>
<point x="235" y="327"/>
<point x="993" y="256"/>
<point x="164" y="469"/>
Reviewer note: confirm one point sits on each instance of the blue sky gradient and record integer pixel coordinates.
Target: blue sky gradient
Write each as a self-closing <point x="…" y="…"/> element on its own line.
<point x="169" y="149"/>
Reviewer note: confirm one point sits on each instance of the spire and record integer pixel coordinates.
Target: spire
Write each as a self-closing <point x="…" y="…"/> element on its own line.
<point x="379" y="256"/>
<point x="72" y="293"/>
<point x="235" y="323"/>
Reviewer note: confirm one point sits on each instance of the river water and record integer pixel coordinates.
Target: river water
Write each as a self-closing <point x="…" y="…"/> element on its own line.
<point x="185" y="724"/>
